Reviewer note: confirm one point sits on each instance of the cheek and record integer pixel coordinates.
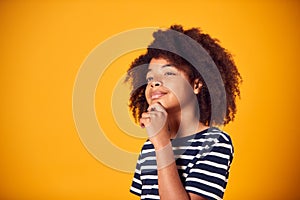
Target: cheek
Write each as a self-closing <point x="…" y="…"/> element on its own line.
<point x="147" y="94"/>
<point x="181" y="90"/>
<point x="177" y="88"/>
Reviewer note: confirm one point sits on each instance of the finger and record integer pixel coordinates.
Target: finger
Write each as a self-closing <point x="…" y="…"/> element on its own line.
<point x="145" y="115"/>
<point x="144" y="122"/>
<point x="151" y="108"/>
<point x="150" y="114"/>
<point x="156" y="107"/>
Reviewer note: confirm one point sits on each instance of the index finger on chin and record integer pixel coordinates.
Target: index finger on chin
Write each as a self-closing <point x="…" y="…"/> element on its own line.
<point x="156" y="107"/>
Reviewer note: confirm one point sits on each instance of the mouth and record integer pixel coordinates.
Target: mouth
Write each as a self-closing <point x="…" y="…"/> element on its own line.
<point x="157" y="95"/>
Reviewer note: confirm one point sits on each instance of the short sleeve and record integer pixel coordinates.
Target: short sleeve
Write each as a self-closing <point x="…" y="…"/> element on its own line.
<point x="136" y="186"/>
<point x="208" y="176"/>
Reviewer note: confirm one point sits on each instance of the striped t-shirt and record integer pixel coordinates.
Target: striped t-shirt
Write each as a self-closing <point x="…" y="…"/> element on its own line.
<point x="203" y="161"/>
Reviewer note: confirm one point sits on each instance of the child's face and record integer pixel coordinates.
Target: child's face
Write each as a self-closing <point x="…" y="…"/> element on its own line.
<point x="168" y="86"/>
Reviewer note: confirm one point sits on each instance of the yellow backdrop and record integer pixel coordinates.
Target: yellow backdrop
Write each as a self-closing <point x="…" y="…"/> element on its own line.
<point x="44" y="43"/>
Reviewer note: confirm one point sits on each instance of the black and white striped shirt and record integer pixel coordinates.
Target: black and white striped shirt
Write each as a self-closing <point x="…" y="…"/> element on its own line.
<point x="203" y="161"/>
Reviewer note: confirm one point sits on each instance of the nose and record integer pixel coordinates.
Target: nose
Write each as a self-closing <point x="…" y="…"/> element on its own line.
<point x="155" y="84"/>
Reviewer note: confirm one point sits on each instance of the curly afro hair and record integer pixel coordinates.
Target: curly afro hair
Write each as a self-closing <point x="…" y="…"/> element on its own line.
<point x="231" y="78"/>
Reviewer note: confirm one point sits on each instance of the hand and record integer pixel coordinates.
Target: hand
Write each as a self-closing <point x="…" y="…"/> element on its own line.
<point x="155" y="122"/>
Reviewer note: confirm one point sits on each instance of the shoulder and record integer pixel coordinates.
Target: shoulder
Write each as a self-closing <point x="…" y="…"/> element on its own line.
<point x="147" y="146"/>
<point x="147" y="150"/>
<point x="212" y="137"/>
<point x="213" y="134"/>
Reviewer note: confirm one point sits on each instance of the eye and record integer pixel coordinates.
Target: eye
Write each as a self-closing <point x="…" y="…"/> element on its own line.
<point x="170" y="74"/>
<point x="149" y="79"/>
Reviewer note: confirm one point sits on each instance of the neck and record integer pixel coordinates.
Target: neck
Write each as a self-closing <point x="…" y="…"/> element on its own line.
<point x="184" y="122"/>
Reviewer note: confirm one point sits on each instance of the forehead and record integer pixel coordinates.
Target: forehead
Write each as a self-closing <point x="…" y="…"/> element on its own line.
<point x="157" y="63"/>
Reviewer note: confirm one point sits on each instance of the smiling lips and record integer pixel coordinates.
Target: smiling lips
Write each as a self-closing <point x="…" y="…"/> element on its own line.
<point x="157" y="94"/>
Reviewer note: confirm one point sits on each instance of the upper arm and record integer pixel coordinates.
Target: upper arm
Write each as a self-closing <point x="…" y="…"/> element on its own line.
<point x="208" y="177"/>
<point x="136" y="184"/>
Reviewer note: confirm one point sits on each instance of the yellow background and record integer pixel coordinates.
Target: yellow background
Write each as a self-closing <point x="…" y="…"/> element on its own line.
<point x="43" y="44"/>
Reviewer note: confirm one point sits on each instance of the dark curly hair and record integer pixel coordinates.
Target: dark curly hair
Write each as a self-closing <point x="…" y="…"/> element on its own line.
<point x="164" y="45"/>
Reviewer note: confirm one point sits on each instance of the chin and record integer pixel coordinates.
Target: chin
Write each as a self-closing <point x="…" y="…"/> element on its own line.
<point x="157" y="101"/>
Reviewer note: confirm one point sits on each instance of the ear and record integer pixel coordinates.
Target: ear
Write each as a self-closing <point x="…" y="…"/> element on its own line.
<point x="197" y="86"/>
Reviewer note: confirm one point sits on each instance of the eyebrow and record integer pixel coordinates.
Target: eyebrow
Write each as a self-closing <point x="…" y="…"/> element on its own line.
<point x="163" y="66"/>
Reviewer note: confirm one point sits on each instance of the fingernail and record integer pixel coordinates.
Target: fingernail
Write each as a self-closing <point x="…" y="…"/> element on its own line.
<point x="151" y="109"/>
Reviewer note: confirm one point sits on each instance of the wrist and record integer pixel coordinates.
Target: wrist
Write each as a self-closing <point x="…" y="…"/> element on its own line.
<point x="164" y="156"/>
<point x="160" y="143"/>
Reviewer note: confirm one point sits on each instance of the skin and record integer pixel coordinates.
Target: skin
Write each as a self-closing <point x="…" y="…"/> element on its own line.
<point x="171" y="98"/>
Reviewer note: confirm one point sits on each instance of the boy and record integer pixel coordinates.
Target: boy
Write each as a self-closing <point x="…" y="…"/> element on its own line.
<point x="180" y="102"/>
